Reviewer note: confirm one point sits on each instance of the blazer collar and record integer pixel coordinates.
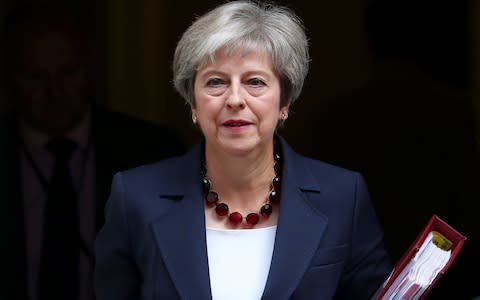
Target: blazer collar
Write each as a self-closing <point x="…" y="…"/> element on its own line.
<point x="300" y="227"/>
<point x="181" y="234"/>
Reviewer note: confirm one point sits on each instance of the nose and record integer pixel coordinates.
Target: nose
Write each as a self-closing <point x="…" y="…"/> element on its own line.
<point x="54" y="87"/>
<point x="235" y="99"/>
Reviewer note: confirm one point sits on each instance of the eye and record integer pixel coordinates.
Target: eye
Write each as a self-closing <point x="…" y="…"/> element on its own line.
<point x="33" y="76"/>
<point x="71" y="71"/>
<point x="214" y="82"/>
<point x="256" y="82"/>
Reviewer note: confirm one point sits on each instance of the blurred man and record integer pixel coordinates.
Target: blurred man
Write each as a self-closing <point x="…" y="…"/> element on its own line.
<point x="58" y="154"/>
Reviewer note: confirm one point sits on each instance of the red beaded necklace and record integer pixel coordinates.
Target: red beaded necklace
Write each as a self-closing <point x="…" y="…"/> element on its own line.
<point x="236" y="218"/>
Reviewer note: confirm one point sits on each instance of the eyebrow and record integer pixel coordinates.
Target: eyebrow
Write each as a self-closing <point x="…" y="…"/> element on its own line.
<point x="207" y="73"/>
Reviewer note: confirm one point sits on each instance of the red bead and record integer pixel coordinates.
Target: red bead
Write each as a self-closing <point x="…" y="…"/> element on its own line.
<point x="266" y="210"/>
<point x="277" y="168"/>
<point x="235" y="218"/>
<point x="206" y="184"/>
<point x="221" y="209"/>
<point x="252" y="218"/>
<point x="211" y="198"/>
<point x="273" y="196"/>
<point x="276" y="183"/>
<point x="277" y="157"/>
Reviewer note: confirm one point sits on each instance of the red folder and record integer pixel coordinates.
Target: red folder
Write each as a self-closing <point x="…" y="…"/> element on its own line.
<point x="434" y="224"/>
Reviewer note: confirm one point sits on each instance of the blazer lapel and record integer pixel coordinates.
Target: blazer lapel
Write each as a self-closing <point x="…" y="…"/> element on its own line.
<point x="299" y="230"/>
<point x="180" y="234"/>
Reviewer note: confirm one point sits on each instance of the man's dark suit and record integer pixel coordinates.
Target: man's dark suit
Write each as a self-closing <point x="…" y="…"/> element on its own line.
<point x="328" y="242"/>
<point x="120" y="142"/>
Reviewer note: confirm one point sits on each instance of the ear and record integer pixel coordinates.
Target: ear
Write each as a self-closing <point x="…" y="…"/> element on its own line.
<point x="283" y="113"/>
<point x="194" y="114"/>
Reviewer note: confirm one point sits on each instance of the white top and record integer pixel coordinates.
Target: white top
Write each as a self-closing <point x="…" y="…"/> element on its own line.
<point x="239" y="261"/>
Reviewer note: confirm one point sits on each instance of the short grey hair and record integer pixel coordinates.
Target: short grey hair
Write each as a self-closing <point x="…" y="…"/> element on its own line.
<point x="244" y="25"/>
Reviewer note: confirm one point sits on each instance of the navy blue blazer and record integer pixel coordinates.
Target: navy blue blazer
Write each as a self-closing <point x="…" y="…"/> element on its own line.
<point x="328" y="244"/>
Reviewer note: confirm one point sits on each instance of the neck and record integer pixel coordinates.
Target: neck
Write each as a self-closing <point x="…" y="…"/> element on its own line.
<point x="243" y="190"/>
<point x="243" y="171"/>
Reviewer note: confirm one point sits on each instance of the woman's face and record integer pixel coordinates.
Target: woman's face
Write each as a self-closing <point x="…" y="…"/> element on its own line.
<point x="237" y="102"/>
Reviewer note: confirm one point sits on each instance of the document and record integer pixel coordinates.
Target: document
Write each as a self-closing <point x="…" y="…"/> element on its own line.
<point x="426" y="260"/>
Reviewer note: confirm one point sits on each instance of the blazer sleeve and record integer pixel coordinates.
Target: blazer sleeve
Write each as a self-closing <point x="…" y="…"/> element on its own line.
<point x="116" y="275"/>
<point x="368" y="265"/>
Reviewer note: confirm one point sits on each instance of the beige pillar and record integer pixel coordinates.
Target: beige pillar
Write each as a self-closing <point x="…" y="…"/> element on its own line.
<point x="134" y="58"/>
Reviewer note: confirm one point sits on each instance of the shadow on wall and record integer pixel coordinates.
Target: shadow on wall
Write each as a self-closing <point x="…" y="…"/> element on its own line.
<point x="410" y="130"/>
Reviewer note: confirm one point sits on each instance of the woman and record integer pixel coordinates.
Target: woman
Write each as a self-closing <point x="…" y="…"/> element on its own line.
<point x="213" y="223"/>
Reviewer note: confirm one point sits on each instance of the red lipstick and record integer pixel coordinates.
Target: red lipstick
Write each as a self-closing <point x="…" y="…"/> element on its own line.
<point x="236" y="124"/>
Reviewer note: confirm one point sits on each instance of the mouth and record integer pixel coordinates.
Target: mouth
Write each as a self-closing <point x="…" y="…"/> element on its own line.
<point x="236" y="123"/>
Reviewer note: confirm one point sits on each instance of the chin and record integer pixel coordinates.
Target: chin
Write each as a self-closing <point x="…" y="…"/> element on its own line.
<point x="241" y="147"/>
